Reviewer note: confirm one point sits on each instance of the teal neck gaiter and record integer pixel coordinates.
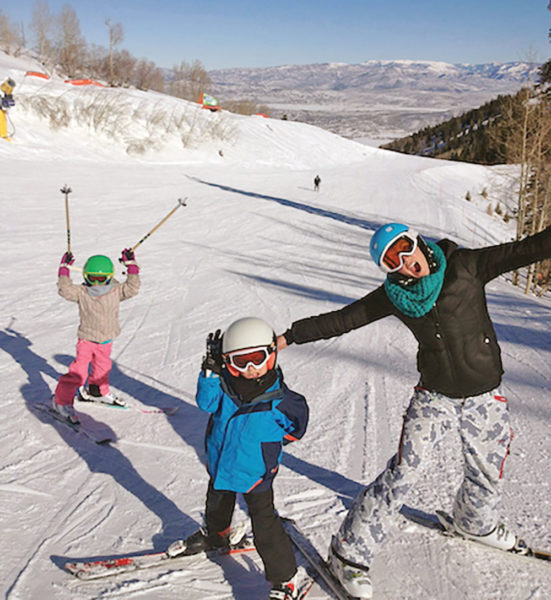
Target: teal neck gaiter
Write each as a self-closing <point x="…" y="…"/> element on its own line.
<point x="417" y="300"/>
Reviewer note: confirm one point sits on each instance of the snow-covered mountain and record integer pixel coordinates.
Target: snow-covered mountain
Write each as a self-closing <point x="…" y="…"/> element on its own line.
<point x="382" y="99"/>
<point x="374" y="75"/>
<point x="254" y="239"/>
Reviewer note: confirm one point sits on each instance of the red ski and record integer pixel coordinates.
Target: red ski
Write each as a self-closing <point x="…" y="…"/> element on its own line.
<point x="123" y="564"/>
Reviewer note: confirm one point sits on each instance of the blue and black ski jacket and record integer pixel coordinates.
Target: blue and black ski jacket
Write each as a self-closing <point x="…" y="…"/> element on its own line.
<point x="244" y="440"/>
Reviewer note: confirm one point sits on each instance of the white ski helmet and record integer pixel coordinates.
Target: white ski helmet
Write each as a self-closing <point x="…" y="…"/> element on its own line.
<point x="249" y="332"/>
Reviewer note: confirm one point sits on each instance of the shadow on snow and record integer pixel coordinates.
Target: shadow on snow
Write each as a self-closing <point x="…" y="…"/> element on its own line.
<point x="321" y="212"/>
<point x="108" y="460"/>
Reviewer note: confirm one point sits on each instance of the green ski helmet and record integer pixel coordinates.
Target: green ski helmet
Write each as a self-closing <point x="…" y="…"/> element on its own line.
<point x="98" y="270"/>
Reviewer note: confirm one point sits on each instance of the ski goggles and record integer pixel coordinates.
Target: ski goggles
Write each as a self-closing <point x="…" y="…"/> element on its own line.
<point x="97" y="279"/>
<point x="392" y="258"/>
<point x="257" y="357"/>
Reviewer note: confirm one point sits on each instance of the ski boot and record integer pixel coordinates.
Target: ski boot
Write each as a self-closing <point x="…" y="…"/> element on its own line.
<point x="353" y="577"/>
<point x="288" y="590"/>
<point x="500" y="537"/>
<point x="67" y="411"/>
<point x="201" y="541"/>
<point x="92" y="394"/>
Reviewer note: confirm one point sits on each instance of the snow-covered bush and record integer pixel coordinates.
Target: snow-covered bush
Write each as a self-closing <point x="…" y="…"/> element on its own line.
<point x="137" y="123"/>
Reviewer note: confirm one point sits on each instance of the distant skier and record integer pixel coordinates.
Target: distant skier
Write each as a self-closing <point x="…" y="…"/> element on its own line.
<point x="253" y="414"/>
<point x="317" y="181"/>
<point x="437" y="291"/>
<point x="98" y="300"/>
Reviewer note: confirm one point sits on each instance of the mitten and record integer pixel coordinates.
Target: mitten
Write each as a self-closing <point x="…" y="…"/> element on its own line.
<point x="129" y="261"/>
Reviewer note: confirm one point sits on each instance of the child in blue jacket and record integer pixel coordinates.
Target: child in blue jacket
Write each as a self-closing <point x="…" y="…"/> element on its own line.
<point x="253" y="414"/>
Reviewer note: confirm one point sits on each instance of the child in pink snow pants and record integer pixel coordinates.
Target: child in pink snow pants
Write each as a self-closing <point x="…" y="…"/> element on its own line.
<point x="98" y="300"/>
<point x="88" y="353"/>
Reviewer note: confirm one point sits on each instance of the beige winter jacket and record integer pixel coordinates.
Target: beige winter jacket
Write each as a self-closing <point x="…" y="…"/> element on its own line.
<point x="99" y="317"/>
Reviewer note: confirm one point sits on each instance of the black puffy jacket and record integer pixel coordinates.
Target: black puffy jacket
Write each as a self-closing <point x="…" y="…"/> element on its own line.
<point x="458" y="354"/>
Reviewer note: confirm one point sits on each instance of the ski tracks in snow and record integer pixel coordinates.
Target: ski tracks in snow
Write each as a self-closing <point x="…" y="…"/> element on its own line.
<point x="79" y="516"/>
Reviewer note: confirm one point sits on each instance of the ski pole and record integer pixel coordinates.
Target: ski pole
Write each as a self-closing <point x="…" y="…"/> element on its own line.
<point x="67" y="190"/>
<point x="180" y="203"/>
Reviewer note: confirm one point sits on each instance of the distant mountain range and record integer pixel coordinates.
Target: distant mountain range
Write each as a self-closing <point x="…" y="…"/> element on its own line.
<point x="374" y="99"/>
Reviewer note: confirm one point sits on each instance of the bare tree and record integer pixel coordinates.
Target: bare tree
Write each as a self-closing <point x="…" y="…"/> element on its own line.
<point x="176" y="86"/>
<point x="71" y="45"/>
<point x="10" y="38"/>
<point x="96" y="62"/>
<point x="538" y="210"/>
<point x="41" y="26"/>
<point x="525" y="137"/>
<point x="189" y="81"/>
<point x="123" y="66"/>
<point x="116" y="35"/>
<point x="22" y="38"/>
<point x="147" y="76"/>
<point x="158" y="80"/>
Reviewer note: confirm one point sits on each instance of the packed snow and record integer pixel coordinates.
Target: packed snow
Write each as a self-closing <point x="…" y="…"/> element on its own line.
<point x="254" y="239"/>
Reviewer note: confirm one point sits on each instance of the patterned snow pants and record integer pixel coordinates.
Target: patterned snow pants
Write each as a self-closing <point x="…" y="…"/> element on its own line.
<point x="483" y="424"/>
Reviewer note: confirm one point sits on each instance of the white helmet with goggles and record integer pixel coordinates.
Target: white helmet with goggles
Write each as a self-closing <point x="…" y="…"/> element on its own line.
<point x="249" y="341"/>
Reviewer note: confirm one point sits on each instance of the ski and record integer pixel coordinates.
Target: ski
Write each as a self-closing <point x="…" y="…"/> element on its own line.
<point x="94" y="431"/>
<point x="317" y="564"/>
<point x="83" y="395"/>
<point x="124" y="564"/>
<point x="442" y="522"/>
<point x="124" y="405"/>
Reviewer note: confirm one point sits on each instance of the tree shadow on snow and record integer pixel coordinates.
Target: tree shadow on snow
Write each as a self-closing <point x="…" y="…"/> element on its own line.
<point x="300" y="290"/>
<point x="321" y="212"/>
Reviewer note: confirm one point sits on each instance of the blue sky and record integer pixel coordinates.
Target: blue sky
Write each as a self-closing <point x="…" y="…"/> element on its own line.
<point x="246" y="33"/>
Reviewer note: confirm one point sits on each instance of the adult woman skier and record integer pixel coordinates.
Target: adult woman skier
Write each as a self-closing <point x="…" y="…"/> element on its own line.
<point x="437" y="291"/>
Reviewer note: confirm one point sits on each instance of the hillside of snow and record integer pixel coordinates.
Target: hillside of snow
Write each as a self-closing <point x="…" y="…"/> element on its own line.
<point x="254" y="239"/>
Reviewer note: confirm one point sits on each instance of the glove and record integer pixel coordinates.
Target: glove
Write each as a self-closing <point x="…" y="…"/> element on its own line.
<point x="212" y="361"/>
<point x="127" y="254"/>
<point x="129" y="261"/>
<point x="66" y="260"/>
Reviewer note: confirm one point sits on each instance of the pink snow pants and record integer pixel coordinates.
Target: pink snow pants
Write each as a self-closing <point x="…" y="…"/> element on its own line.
<point x="88" y="353"/>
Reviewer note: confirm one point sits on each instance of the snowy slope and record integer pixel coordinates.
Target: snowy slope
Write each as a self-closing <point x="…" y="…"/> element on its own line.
<point x="253" y="240"/>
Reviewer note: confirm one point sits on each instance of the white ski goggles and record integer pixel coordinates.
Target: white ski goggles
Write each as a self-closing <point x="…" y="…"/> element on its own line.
<point x="241" y="359"/>
<point x="392" y="258"/>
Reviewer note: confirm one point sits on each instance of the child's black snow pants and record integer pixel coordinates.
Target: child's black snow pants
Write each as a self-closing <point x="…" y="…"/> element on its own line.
<point x="271" y="541"/>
